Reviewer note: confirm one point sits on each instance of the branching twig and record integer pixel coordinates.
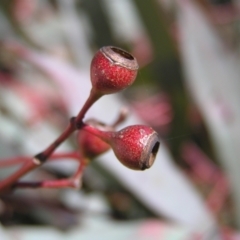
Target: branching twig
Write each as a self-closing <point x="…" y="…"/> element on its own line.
<point x="40" y="158"/>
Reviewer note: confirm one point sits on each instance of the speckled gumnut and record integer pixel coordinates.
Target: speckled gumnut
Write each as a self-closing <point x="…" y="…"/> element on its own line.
<point x="112" y="70"/>
<point x="90" y="145"/>
<point x="135" y="146"/>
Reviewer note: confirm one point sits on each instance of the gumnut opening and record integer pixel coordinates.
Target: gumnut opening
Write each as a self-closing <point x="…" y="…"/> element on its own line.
<point x="112" y="69"/>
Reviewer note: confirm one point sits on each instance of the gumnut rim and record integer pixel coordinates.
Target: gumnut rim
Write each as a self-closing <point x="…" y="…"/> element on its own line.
<point x="150" y="152"/>
<point x="120" y="57"/>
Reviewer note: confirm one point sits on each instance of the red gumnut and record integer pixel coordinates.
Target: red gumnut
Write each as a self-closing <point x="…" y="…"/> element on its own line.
<point x="90" y="145"/>
<point x="112" y="70"/>
<point x="135" y="146"/>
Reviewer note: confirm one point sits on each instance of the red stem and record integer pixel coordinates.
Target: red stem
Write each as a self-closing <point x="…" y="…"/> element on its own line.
<point x="61" y="183"/>
<point x="105" y="136"/>
<point x="59" y="156"/>
<point x="73" y="182"/>
<point x="13" y="161"/>
<point x="75" y="123"/>
<point x="39" y="159"/>
<point x="6" y="183"/>
<point x="93" y="97"/>
<point x="43" y="156"/>
<point x="22" y="159"/>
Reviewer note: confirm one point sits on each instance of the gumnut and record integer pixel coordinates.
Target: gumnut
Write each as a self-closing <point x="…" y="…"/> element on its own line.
<point x="135" y="146"/>
<point x="90" y="145"/>
<point x="112" y="70"/>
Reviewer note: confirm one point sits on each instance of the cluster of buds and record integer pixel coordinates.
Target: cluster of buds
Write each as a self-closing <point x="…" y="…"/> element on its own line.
<point x="136" y="147"/>
<point x="112" y="70"/>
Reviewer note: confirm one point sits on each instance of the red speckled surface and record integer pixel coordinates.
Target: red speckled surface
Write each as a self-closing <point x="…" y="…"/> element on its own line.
<point x="129" y="144"/>
<point x="108" y="77"/>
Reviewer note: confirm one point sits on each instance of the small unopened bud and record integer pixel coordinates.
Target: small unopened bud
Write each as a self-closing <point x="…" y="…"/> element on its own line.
<point x="90" y="145"/>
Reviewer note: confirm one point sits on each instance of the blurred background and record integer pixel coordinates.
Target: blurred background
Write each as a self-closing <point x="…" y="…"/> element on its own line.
<point x="187" y="89"/>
